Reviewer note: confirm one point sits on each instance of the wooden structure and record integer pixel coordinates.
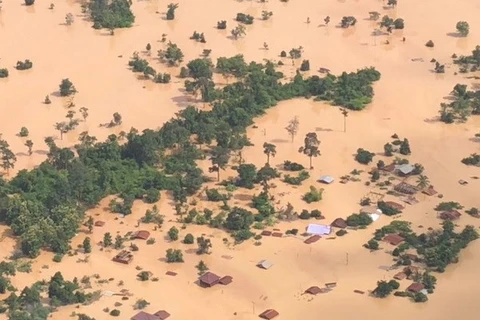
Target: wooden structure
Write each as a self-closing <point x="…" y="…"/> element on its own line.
<point x="266" y="233"/>
<point x="405" y="188"/>
<point x="430" y="191"/>
<point x="162" y="314"/>
<point x="171" y="273"/>
<point x="450" y="215"/>
<point x="209" y="279"/>
<point x="99" y="223"/>
<point x="141" y="234"/>
<point x="339" y="223"/>
<point x="277" y="234"/>
<point x="312" y="239"/>
<point x="124" y="257"/>
<point x="416" y="287"/>
<point x="268" y="314"/>
<point x="394" y="239"/>
<point x="400" y="276"/>
<point x="225" y="280"/>
<point x="314" y="290"/>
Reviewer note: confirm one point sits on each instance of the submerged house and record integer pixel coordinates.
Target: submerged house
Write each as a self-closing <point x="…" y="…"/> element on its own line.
<point x="318" y="229"/>
<point x="124" y="257"/>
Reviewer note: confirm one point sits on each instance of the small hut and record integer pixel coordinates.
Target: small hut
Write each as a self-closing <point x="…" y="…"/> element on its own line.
<point x="430" y="191"/>
<point x="312" y="239"/>
<point x="99" y="223"/>
<point x="416" y="287"/>
<point x="339" y="223"/>
<point x="162" y="314"/>
<point x="226" y="280"/>
<point x="314" y="290"/>
<point x="326" y="179"/>
<point x="124" y="257"/>
<point x="265" y="264"/>
<point x="405" y="169"/>
<point x="450" y="215"/>
<point x="266" y="233"/>
<point x="142" y="315"/>
<point x="393" y="239"/>
<point x="400" y="276"/>
<point x="268" y="314"/>
<point x="209" y="279"/>
<point x="141" y="234"/>
<point x="405" y="188"/>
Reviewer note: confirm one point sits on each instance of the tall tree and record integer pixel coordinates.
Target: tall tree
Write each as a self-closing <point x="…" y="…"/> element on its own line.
<point x="270" y="150"/>
<point x="345" y="115"/>
<point x="61" y="127"/>
<point x="219" y="158"/>
<point x="7" y="156"/>
<point x="29" y="145"/>
<point x="310" y="146"/>
<point x="84" y="112"/>
<point x="292" y="127"/>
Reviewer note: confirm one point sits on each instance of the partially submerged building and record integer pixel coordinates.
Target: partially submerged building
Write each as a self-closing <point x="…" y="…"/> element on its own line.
<point x="394" y="239"/>
<point x="208" y="279"/>
<point x="124" y="257"/>
<point x="141" y="234"/>
<point x="268" y="314"/>
<point x="265" y="264"/>
<point x="319" y="229"/>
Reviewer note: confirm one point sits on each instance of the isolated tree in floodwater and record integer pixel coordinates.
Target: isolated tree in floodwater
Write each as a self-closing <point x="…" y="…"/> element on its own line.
<point x="29" y="145"/>
<point x="292" y="127"/>
<point x="269" y="149"/>
<point x="84" y="112"/>
<point x="62" y="128"/>
<point x="311" y="146"/>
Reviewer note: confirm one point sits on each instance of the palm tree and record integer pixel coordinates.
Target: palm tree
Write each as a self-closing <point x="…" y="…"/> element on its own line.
<point x="423" y="181"/>
<point x="345" y="115"/>
<point x="270" y="150"/>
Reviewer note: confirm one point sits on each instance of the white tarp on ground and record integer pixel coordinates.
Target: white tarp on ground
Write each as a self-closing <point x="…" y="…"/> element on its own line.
<point x="374" y="216"/>
<point x="318" y="229"/>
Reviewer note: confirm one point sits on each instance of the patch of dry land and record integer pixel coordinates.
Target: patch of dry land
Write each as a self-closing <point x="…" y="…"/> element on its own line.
<point x="79" y="181"/>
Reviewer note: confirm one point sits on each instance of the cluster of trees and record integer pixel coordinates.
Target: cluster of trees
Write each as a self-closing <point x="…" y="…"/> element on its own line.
<point x="403" y="146"/>
<point x="24" y="65"/>
<point x="141" y="65"/>
<point x="200" y="37"/>
<point x="436" y="248"/>
<point x="465" y="103"/>
<point x="172" y="54"/>
<point x="359" y="220"/>
<point x="469" y="63"/>
<point x="111" y="14"/>
<point x="389" y="24"/>
<point x="29" y="304"/>
<point x="384" y="288"/>
<point x="472" y="160"/>
<point x="49" y="201"/>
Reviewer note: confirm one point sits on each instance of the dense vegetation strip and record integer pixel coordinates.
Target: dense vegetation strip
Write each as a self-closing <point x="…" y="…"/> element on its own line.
<point x="45" y="206"/>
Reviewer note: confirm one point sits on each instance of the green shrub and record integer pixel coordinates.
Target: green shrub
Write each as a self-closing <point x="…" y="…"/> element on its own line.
<point x="115" y="313"/>
<point x="189" y="239"/>
<point x="314" y="195"/>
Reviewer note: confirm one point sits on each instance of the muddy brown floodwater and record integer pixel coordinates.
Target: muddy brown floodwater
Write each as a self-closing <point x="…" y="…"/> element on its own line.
<point x="406" y="102"/>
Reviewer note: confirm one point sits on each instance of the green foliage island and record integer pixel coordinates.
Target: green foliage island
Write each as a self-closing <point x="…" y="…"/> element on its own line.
<point x="110" y="14"/>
